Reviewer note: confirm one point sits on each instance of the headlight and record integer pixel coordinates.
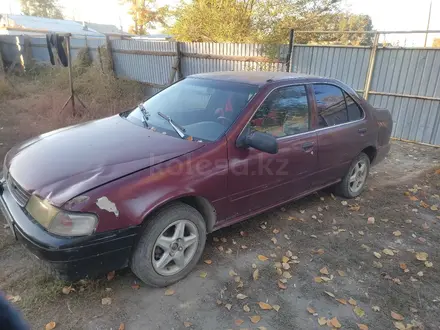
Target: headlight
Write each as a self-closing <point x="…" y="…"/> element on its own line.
<point x="61" y="222"/>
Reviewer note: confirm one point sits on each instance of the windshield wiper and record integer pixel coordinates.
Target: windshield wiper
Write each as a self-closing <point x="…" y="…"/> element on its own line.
<point x="145" y="114"/>
<point x="179" y="129"/>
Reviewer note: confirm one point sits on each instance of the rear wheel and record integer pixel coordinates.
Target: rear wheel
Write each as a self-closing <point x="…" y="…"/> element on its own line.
<point x="171" y="244"/>
<point x="354" y="181"/>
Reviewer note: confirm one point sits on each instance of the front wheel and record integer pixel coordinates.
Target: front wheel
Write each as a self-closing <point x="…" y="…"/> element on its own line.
<point x="354" y="181"/>
<point x="171" y="244"/>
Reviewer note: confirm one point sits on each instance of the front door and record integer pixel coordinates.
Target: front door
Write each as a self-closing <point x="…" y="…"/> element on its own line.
<point x="258" y="180"/>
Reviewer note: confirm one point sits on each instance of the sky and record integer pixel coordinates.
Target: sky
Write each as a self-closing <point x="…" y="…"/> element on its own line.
<point x="386" y="14"/>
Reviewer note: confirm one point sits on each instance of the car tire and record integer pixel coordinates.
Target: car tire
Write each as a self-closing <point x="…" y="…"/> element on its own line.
<point x="354" y="182"/>
<point x="162" y="240"/>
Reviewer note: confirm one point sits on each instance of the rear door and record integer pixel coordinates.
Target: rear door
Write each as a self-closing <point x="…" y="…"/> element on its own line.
<point x="258" y="180"/>
<point x="341" y="129"/>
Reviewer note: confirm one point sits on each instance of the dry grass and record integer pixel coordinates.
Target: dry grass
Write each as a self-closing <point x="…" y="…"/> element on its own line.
<point x="40" y="94"/>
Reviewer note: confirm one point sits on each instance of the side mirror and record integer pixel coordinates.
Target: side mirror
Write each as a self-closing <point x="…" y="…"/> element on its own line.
<point x="258" y="140"/>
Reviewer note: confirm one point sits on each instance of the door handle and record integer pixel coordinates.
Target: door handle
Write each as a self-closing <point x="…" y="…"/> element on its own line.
<point x="362" y="130"/>
<point x="307" y="146"/>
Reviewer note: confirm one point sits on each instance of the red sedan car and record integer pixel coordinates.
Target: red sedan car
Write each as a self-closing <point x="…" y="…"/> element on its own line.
<point x="143" y="188"/>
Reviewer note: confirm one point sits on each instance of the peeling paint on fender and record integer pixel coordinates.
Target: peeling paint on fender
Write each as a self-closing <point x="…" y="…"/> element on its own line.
<point x="105" y="204"/>
<point x="77" y="200"/>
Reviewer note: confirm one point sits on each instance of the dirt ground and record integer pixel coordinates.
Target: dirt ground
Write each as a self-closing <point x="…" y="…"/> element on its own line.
<point x="346" y="262"/>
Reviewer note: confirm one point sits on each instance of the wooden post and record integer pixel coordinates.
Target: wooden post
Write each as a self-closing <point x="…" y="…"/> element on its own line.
<point x="108" y="45"/>
<point x="179" y="63"/>
<point x="290" y="50"/>
<point x="2" y="66"/>
<point x="371" y="66"/>
<point x="69" y="65"/>
<point x="176" y="66"/>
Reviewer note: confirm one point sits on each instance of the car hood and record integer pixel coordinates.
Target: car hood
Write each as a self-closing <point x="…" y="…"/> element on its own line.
<point x="62" y="164"/>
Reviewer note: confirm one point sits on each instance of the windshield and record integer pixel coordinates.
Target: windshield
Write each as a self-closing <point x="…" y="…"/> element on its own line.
<point x="204" y="108"/>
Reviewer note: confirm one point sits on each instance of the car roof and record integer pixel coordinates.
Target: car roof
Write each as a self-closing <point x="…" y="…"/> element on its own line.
<point x="254" y="77"/>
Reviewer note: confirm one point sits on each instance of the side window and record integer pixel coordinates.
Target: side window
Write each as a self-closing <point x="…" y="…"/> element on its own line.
<point x="284" y="112"/>
<point x="354" y="111"/>
<point x="331" y="106"/>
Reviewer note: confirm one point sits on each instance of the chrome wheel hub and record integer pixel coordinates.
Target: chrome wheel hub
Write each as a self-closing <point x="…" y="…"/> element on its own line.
<point x="175" y="247"/>
<point x="358" y="176"/>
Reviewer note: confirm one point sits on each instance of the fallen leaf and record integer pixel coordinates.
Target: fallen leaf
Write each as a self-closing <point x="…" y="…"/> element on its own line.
<point x="215" y="239"/>
<point x="413" y="198"/>
<point x="106" y="301"/>
<point x="403" y="266"/>
<point x="244" y="247"/>
<point x="396" y="316"/>
<point x="325" y="278"/>
<point x="262" y="328"/>
<point x="187" y="324"/>
<point x="425" y="226"/>
<point x="434" y="208"/>
<point x="330" y="294"/>
<point x="122" y="326"/>
<point x="422" y="256"/>
<point x="287" y="275"/>
<point x="335" y="323"/>
<point x="50" y="325"/>
<point x="262" y="258"/>
<point x="344" y="203"/>
<point x="352" y="302"/>
<point x="237" y="279"/>
<point x="428" y="264"/>
<point x="400" y="326"/>
<point x="274" y="240"/>
<point x="397" y="233"/>
<point x="322" y="321"/>
<point x="232" y="273"/>
<point x="264" y="306"/>
<point x="286" y="266"/>
<point x="319" y="251"/>
<point x="203" y="274"/>
<point x="424" y="205"/>
<point x="273" y="255"/>
<point x="67" y="289"/>
<point x="342" y="301"/>
<point x="246" y="308"/>
<point x="241" y="296"/>
<point x="311" y="310"/>
<point x="361" y="232"/>
<point x="281" y="285"/>
<point x="318" y="279"/>
<point x="359" y="311"/>
<point x="362" y="326"/>
<point x="255" y="274"/>
<point x="220" y="248"/>
<point x="377" y="264"/>
<point x="135" y="286"/>
<point x="276" y="307"/>
<point x="111" y="275"/>
<point x="376" y="308"/>
<point x="208" y="262"/>
<point x="388" y="252"/>
<point x="370" y="220"/>
<point x="377" y="255"/>
<point x="169" y="292"/>
<point x="255" y="319"/>
<point x="238" y="322"/>
<point x="324" y="271"/>
<point x="354" y="208"/>
<point x="228" y="251"/>
<point x="341" y="273"/>
<point x="13" y="299"/>
<point x="224" y="240"/>
<point x="285" y="259"/>
<point x="228" y="307"/>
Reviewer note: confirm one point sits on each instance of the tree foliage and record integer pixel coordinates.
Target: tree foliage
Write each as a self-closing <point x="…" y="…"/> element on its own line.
<point x="436" y="42"/>
<point x="41" y="8"/>
<point x="267" y="21"/>
<point x="145" y="14"/>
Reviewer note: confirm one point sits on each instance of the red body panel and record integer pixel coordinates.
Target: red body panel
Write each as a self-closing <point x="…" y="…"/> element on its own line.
<point x="140" y="170"/>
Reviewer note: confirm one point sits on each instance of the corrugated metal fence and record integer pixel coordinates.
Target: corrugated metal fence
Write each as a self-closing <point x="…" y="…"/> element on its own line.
<point x="404" y="80"/>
